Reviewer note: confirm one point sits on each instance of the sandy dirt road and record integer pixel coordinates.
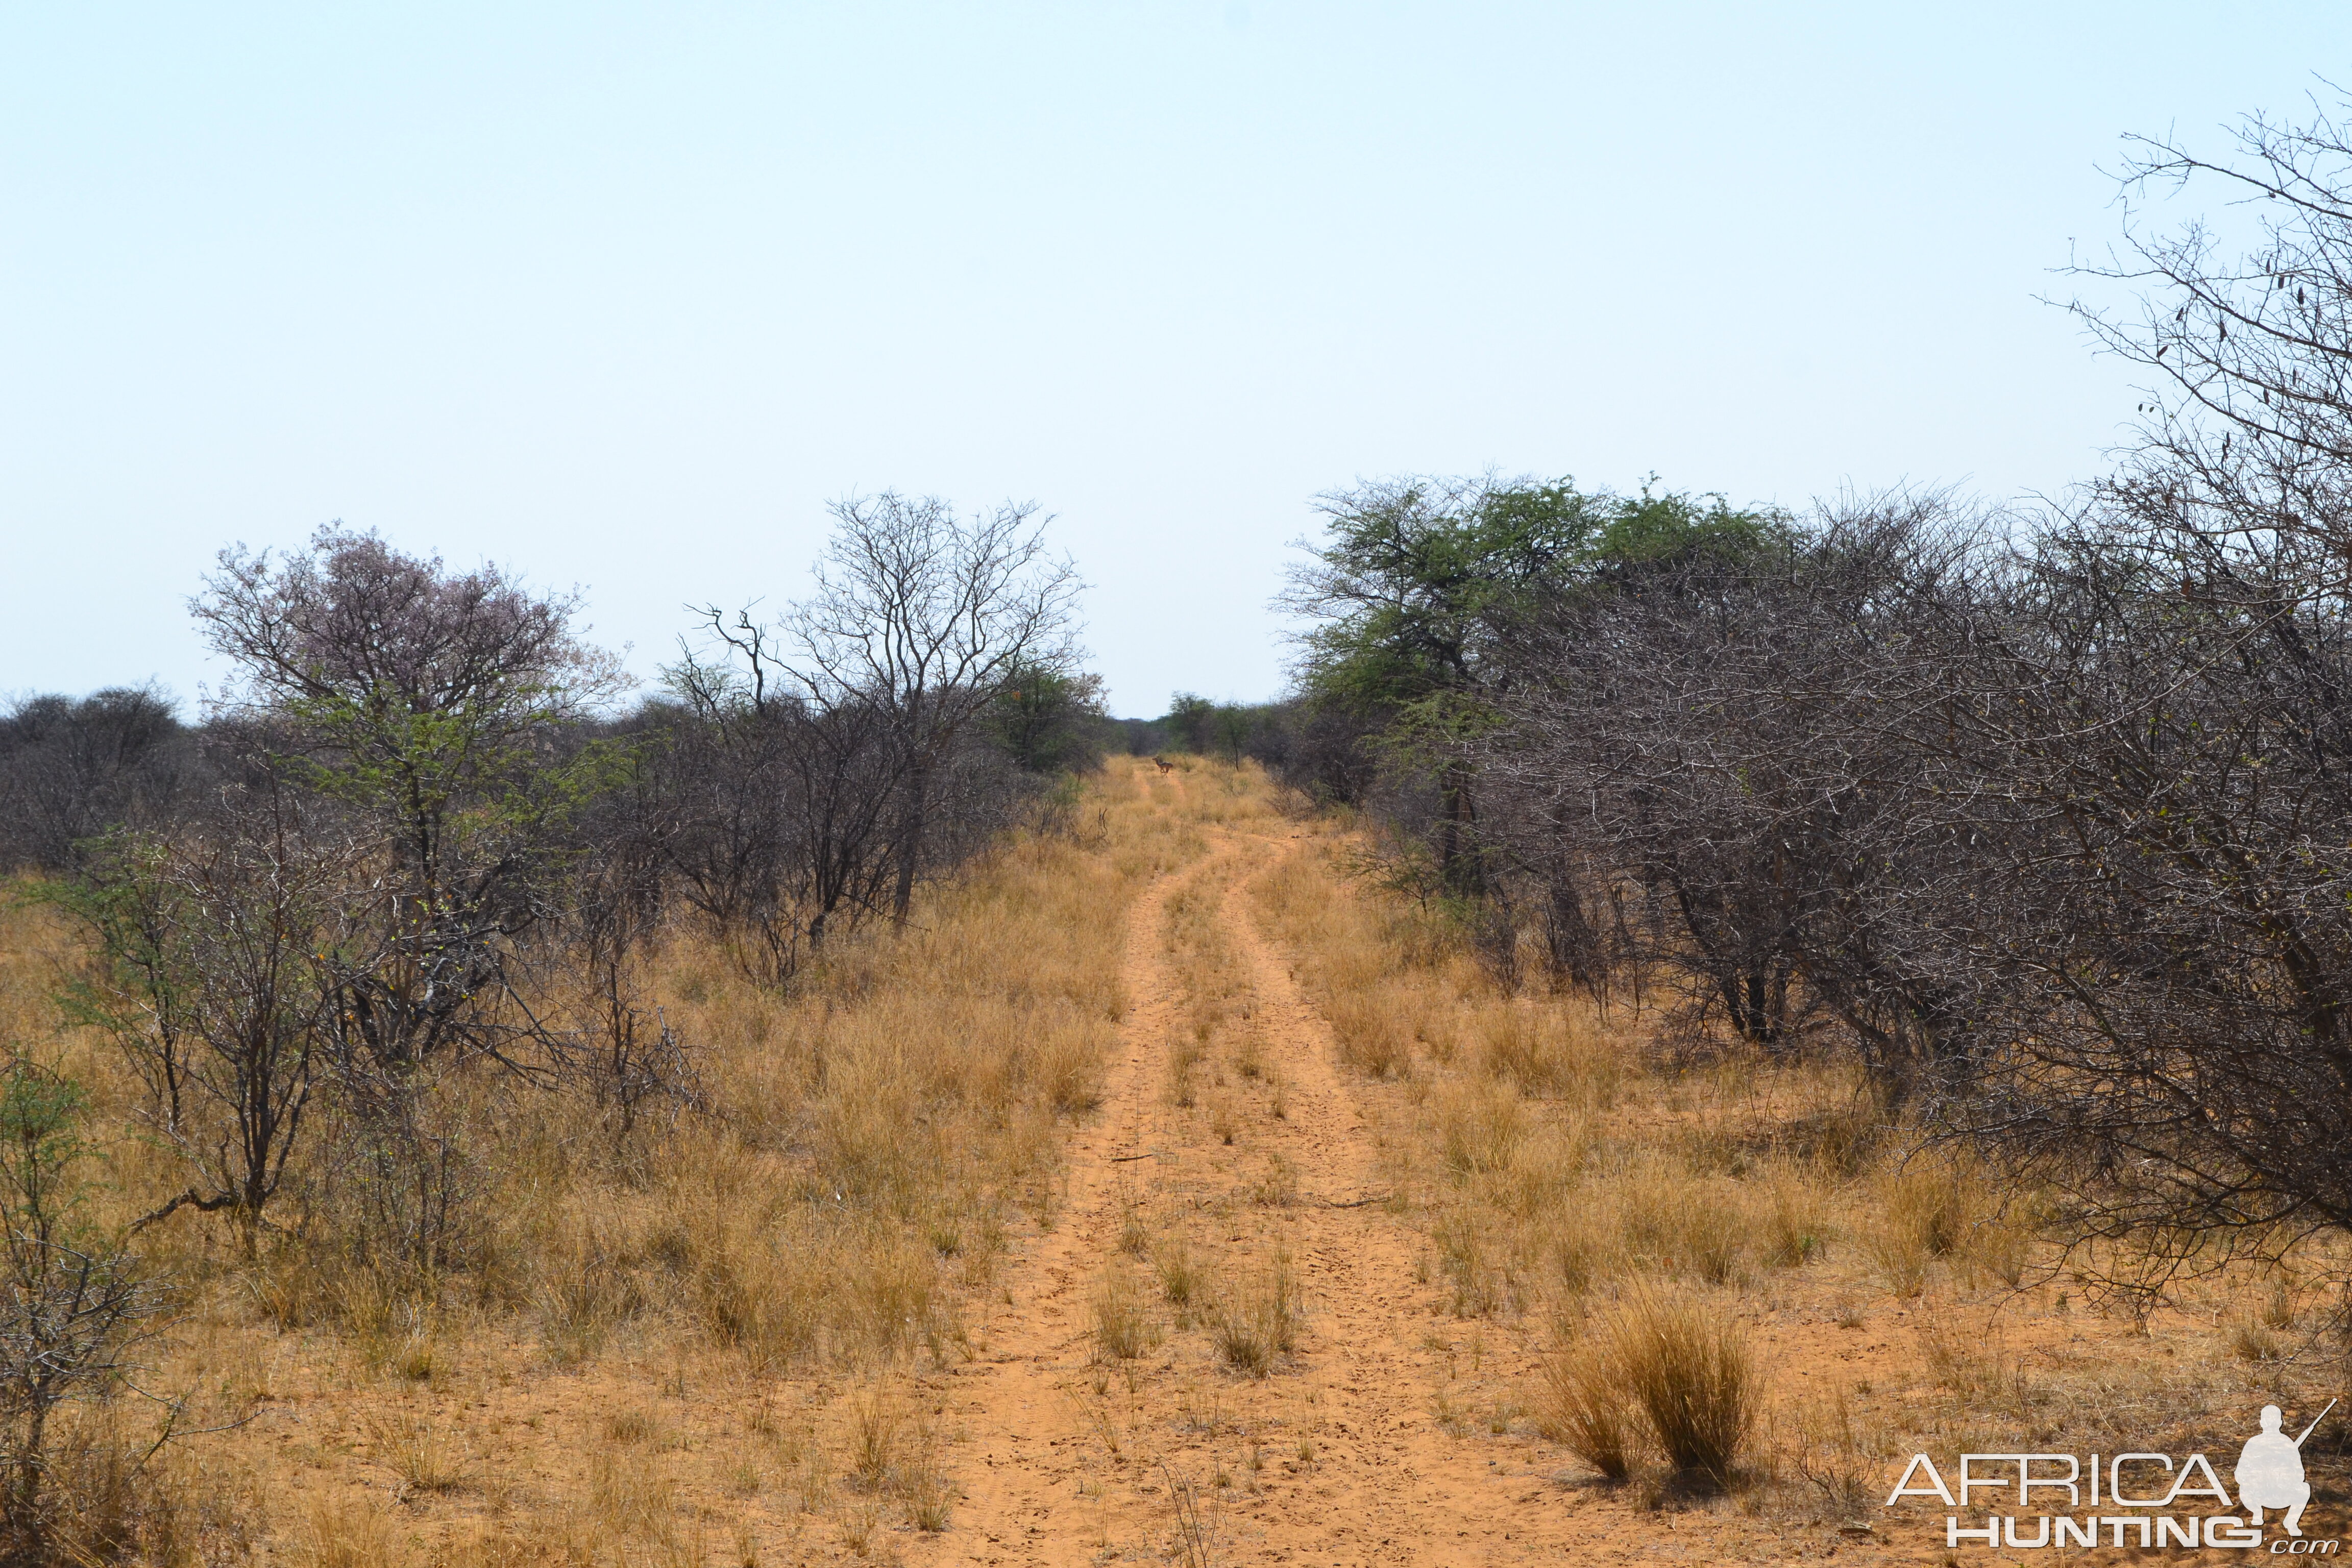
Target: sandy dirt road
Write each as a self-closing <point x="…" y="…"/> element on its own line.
<point x="1341" y="1454"/>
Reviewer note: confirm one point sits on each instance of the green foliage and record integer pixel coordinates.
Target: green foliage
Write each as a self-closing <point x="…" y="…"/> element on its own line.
<point x="1190" y="723"/>
<point x="1411" y="572"/>
<point x="1048" y="720"/>
<point x="40" y="1147"/>
<point x="459" y="791"/>
<point x="1419" y="586"/>
<point x="1424" y="733"/>
<point x="1415" y="579"/>
<point x="1660" y="531"/>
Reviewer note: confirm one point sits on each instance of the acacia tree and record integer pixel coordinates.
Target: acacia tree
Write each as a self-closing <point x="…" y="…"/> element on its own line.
<point x="1403" y="595"/>
<point x="1635" y="750"/>
<point x="1417" y="584"/>
<point x="2057" y="834"/>
<point x="424" y="701"/>
<point x="923" y="615"/>
<point x="2048" y="818"/>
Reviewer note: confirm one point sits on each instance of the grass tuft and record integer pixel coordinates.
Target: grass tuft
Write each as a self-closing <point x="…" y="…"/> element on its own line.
<point x="1582" y="1406"/>
<point x="1261" y="1324"/>
<point x="1668" y="1367"/>
<point x="1124" y="1328"/>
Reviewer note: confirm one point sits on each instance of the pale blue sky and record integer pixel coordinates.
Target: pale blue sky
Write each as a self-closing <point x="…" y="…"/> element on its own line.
<point x="622" y="295"/>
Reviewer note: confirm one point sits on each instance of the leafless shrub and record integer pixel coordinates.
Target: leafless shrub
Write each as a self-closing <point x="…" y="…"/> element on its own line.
<point x="209" y="980"/>
<point x="818" y="767"/>
<point x="768" y="807"/>
<point x="1699" y="774"/>
<point x="1197" y="1535"/>
<point x="71" y="769"/>
<point x="622" y="1043"/>
<point x="73" y="1304"/>
<point x="2038" y="828"/>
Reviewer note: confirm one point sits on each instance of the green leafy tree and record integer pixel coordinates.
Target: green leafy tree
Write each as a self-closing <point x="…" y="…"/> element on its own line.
<point x="1412" y="594"/>
<point x="1190" y="723"/>
<point x="1411" y="576"/>
<point x="1048" y="718"/>
<point x="1403" y="597"/>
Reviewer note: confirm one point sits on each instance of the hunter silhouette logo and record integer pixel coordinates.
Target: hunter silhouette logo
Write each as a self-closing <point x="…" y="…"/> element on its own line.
<point x="2270" y="1471"/>
<point x="2154" y="1498"/>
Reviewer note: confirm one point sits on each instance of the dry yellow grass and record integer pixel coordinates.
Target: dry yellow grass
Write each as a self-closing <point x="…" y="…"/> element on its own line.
<point x="1257" y="1321"/>
<point x="1124" y="1328"/>
<point x="1664" y="1366"/>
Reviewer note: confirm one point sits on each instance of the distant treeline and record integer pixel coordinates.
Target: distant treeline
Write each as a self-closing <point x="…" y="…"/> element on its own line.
<point x="1309" y="745"/>
<point x="72" y="768"/>
<point x="742" y="713"/>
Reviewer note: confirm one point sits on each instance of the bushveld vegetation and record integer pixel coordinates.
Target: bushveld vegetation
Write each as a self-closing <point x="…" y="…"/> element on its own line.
<point x="450" y="995"/>
<point x="1734" y="1280"/>
<point x="599" y="1124"/>
<point x="2039" y="819"/>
